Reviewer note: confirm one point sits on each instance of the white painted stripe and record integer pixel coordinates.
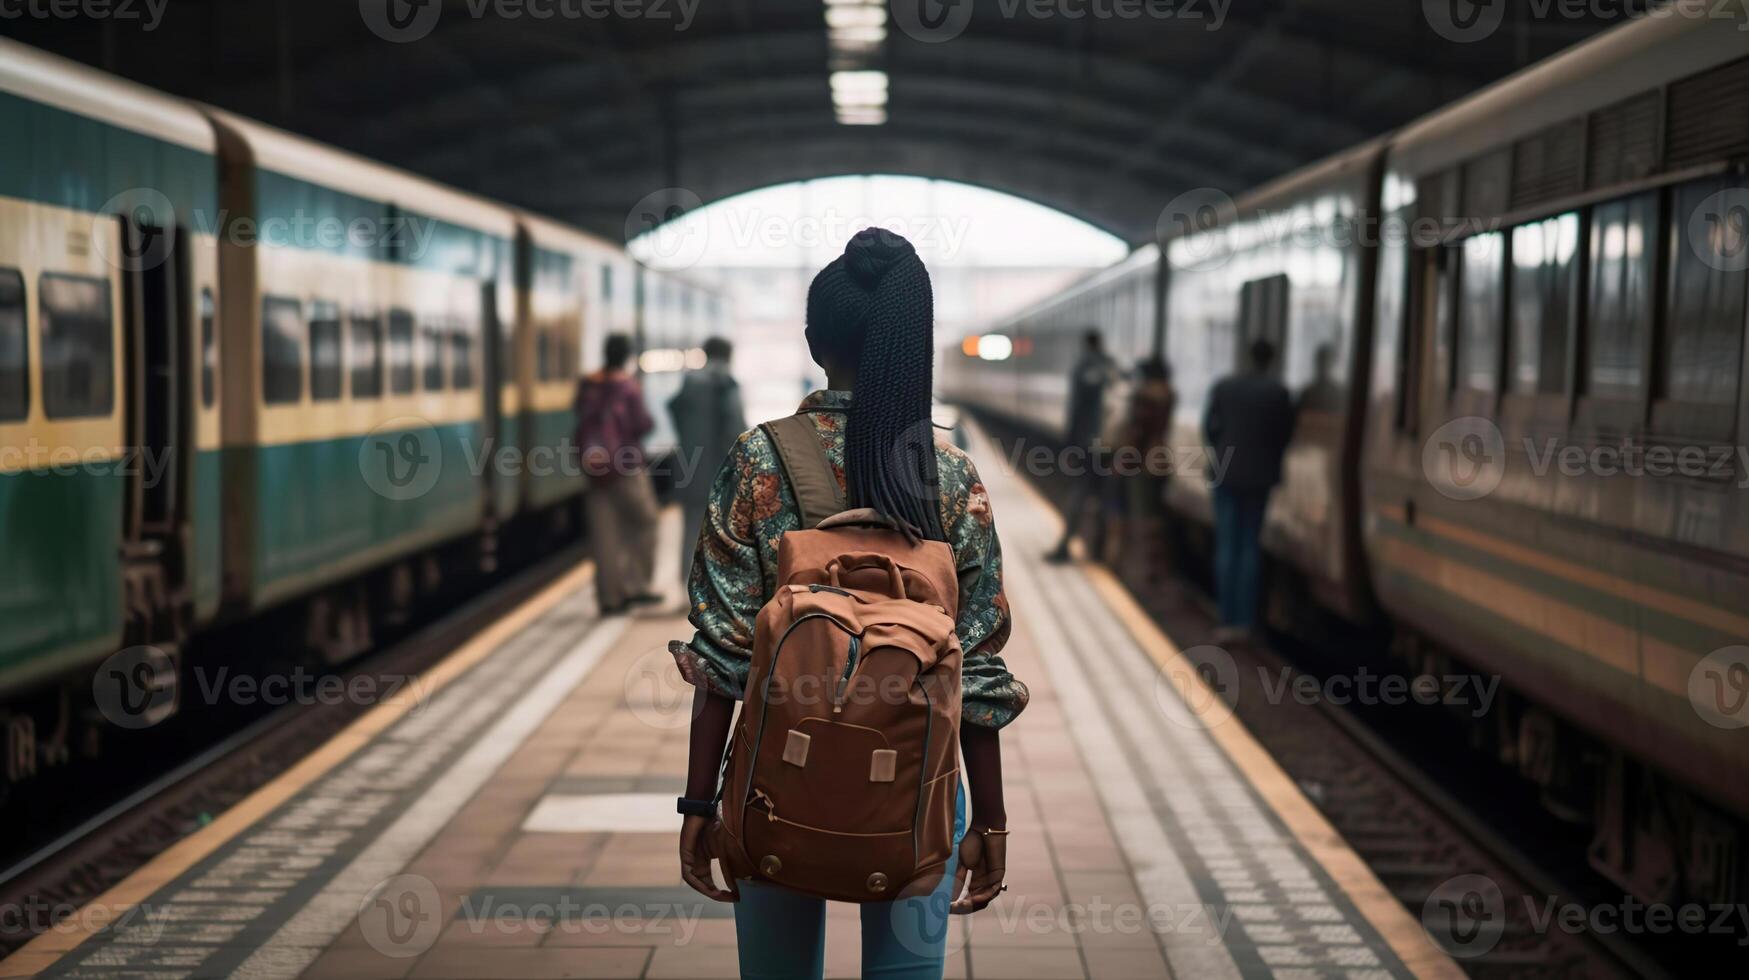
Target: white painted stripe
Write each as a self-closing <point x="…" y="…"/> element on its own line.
<point x="603" y="813"/>
<point x="297" y="944"/>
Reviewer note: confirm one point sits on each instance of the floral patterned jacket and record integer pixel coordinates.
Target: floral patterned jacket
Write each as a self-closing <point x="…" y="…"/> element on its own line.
<point x="735" y="569"/>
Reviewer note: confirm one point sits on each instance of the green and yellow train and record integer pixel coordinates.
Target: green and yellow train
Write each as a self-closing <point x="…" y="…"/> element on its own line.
<point x="244" y="374"/>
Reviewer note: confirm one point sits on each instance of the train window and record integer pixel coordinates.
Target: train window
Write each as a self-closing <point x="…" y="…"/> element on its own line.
<point x="431" y="344"/>
<point x="543" y="355"/>
<point x="14" y="349"/>
<point x="606" y="282"/>
<point x="400" y="352"/>
<point x="366" y="342"/>
<point x="282" y="350"/>
<point x="1263" y="305"/>
<point x="325" y="368"/>
<point x="1545" y="303"/>
<point x="78" y="348"/>
<point x="1703" y="339"/>
<point x="1620" y="308"/>
<point x="462" y="358"/>
<point x="209" y="349"/>
<point x="1479" y="311"/>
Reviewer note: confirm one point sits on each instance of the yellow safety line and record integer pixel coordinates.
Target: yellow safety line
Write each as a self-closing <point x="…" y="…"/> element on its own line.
<point x="47" y="948"/>
<point x="1389" y="918"/>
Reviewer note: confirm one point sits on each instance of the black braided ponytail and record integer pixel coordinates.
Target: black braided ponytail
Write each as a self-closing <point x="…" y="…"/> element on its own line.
<point x="873" y="309"/>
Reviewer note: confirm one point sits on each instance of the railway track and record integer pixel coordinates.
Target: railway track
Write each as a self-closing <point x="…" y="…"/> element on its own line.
<point x="111" y="835"/>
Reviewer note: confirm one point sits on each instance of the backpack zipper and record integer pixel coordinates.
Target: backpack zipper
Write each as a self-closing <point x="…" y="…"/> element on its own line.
<point x="922" y="776"/>
<point x="849" y="668"/>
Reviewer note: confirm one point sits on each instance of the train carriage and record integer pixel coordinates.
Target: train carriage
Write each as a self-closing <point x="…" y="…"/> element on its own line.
<point x="108" y="457"/>
<point x="1584" y="311"/>
<point x="354" y="363"/>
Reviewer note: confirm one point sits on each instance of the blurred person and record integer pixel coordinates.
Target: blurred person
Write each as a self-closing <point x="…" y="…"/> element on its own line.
<point x="618" y="500"/>
<point x="1248" y="422"/>
<point x="1090" y="381"/>
<point x="1144" y="433"/>
<point x="870" y="325"/>
<point x="708" y="418"/>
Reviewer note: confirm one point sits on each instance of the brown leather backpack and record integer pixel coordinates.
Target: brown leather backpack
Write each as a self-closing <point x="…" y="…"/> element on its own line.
<point x="841" y="772"/>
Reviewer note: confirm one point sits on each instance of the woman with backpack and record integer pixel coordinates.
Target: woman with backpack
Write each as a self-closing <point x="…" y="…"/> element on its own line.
<point x="848" y="588"/>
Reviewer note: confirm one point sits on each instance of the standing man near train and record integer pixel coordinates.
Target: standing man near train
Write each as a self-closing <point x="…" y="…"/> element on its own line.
<point x="1248" y="423"/>
<point x="618" y="501"/>
<point x="708" y="418"/>
<point x="1093" y="372"/>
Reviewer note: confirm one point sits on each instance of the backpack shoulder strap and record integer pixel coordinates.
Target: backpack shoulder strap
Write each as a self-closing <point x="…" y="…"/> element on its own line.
<point x="806" y="468"/>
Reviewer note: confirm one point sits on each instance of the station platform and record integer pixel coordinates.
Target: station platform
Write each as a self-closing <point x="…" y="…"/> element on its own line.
<point x="515" y="819"/>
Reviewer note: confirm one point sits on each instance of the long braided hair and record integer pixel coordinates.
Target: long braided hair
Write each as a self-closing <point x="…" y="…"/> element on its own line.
<point x="872" y="309"/>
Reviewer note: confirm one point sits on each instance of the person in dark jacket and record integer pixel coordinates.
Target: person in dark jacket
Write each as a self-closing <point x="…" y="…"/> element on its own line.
<point x="618" y="502"/>
<point x="1249" y="420"/>
<point x="1093" y="372"/>
<point x="708" y="418"/>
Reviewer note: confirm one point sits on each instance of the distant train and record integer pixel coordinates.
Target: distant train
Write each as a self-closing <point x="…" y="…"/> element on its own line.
<point x="242" y="373"/>
<point x="1553" y="265"/>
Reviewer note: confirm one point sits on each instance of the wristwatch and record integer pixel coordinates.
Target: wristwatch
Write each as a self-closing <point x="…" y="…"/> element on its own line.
<point x="695" y="808"/>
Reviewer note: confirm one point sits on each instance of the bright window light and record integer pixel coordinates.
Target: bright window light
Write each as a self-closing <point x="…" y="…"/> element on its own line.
<point x="995" y="347"/>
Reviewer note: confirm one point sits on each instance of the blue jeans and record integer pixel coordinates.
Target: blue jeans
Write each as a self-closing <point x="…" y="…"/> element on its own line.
<point x="1239" y="553"/>
<point x="781" y="935"/>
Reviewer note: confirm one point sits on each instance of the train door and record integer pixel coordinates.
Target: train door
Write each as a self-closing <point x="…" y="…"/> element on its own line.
<point x="1262" y="316"/>
<point x="158" y="413"/>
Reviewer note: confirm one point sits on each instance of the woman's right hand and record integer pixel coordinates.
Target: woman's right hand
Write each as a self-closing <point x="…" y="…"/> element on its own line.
<point x="695" y="861"/>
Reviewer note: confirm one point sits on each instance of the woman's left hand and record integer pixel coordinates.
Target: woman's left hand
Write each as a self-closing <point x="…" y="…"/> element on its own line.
<point x="984" y="859"/>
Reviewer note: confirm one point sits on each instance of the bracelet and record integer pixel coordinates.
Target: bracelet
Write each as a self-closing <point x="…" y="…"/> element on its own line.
<point x="991" y="832"/>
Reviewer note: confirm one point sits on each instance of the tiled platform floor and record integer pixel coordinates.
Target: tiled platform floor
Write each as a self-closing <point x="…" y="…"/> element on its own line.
<point x="521" y="825"/>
